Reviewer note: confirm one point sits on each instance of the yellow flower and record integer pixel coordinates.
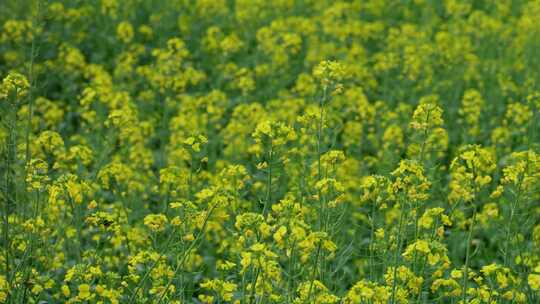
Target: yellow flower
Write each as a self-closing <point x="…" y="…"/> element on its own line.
<point x="420" y="246"/>
<point x="279" y="234"/>
<point x="65" y="290"/>
<point x="37" y="288"/>
<point x="258" y="247"/>
<point x="489" y="269"/>
<point x="471" y="108"/>
<point x="124" y="31"/>
<point x="14" y="85"/>
<point x="156" y="222"/>
<point x="188" y="237"/>
<point x="534" y="281"/>
<point x="92" y="205"/>
<point x="329" y="72"/>
<point x="427" y="116"/>
<point x="84" y="292"/>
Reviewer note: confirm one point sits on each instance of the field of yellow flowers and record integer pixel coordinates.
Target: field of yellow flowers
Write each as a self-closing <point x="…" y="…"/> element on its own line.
<point x="259" y="152"/>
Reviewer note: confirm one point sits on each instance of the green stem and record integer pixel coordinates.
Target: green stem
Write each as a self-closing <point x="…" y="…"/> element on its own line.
<point x="314" y="271"/>
<point x="268" y="181"/>
<point x="467" y="257"/>
<point x="254" y="286"/>
<point x="9" y="190"/>
<point x="396" y="255"/>
<point x="371" y="241"/>
<point x="186" y="253"/>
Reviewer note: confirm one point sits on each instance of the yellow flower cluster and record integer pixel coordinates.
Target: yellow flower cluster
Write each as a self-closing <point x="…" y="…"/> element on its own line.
<point x="269" y="152"/>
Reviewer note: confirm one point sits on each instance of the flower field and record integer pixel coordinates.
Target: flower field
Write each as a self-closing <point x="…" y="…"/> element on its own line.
<point x="260" y="152"/>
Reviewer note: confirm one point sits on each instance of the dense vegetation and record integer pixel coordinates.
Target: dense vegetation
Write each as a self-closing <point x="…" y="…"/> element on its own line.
<point x="255" y="151"/>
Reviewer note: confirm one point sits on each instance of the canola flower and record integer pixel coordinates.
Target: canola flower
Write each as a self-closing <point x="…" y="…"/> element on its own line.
<point x="259" y="152"/>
